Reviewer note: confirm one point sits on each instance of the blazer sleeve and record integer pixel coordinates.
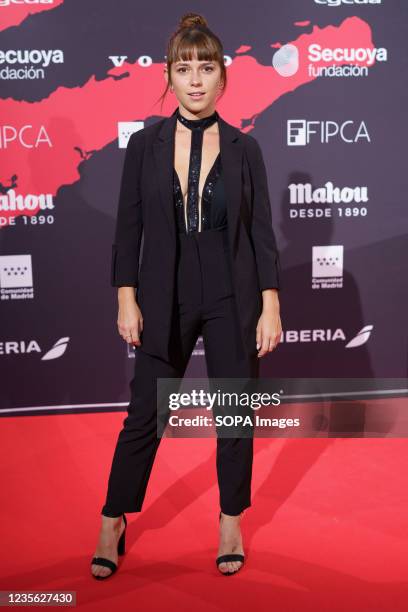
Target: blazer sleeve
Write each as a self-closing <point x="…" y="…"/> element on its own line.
<point x="129" y="222"/>
<point x="263" y="236"/>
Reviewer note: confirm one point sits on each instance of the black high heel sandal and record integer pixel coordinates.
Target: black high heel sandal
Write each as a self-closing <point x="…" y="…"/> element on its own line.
<point x="230" y="557"/>
<point x="107" y="562"/>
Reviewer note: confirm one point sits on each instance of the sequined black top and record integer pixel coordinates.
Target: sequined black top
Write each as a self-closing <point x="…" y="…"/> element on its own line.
<point x="213" y="202"/>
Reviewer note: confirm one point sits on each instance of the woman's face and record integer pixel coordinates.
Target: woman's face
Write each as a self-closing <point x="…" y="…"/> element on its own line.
<point x="194" y="76"/>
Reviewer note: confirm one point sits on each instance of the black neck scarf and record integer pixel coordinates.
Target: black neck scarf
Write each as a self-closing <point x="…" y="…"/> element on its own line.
<point x="197" y="127"/>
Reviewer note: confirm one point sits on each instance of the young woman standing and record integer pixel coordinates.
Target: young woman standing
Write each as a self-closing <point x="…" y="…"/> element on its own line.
<point x="196" y="188"/>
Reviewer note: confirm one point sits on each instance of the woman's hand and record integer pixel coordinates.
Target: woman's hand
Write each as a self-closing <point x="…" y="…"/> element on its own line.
<point x="130" y="319"/>
<point x="269" y="328"/>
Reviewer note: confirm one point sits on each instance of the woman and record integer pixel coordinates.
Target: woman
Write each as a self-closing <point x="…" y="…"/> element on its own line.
<point x="196" y="188"/>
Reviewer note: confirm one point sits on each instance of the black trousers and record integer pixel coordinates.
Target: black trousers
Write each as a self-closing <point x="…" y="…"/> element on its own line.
<point x="204" y="305"/>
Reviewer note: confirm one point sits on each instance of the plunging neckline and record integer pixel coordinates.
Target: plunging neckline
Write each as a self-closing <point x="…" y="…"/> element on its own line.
<point x="205" y="182"/>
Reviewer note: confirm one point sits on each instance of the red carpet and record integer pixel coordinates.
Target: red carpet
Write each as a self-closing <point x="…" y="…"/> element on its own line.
<point x="328" y="528"/>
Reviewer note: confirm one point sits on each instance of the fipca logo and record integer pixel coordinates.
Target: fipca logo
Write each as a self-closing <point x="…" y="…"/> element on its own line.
<point x="327" y="266"/>
<point x="126" y="129"/>
<point x="27" y="136"/>
<point x="28" y="64"/>
<point x="16" y="277"/>
<point x="308" y="202"/>
<point x="301" y="132"/>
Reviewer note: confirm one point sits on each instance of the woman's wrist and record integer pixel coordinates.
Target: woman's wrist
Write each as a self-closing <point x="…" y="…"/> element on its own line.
<point x="126" y="294"/>
<point x="270" y="299"/>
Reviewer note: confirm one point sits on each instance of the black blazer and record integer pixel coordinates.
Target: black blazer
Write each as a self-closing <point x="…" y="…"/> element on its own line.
<point x="146" y="207"/>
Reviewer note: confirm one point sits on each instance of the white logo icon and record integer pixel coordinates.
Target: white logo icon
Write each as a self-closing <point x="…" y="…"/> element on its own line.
<point x="327" y="261"/>
<point x="15" y="271"/>
<point x="59" y="348"/>
<point x="360" y="338"/>
<point x="286" y="60"/>
<point x="296" y="132"/>
<point x="126" y="129"/>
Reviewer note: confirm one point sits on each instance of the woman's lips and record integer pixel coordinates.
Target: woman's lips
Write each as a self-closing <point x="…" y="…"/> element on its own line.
<point x="196" y="96"/>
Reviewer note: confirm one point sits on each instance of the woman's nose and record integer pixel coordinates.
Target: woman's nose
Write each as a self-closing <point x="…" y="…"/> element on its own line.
<point x="196" y="80"/>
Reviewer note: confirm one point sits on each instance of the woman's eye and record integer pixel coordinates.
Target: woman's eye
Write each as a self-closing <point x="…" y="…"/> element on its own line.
<point x="207" y="69"/>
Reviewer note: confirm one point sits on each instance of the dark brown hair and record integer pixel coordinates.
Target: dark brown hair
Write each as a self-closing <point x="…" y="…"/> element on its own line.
<point x="193" y="36"/>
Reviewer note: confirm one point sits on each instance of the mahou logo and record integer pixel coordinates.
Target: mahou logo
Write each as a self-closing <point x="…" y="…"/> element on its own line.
<point x="309" y="202"/>
<point x="8" y="2"/>
<point x="304" y="193"/>
<point x="30" y="201"/>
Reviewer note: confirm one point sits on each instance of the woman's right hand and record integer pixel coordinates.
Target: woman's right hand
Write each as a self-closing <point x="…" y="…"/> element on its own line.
<point x="130" y="318"/>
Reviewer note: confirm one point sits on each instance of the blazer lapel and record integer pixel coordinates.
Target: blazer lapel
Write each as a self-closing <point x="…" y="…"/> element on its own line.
<point x="231" y="151"/>
<point x="163" y="151"/>
<point x="231" y="148"/>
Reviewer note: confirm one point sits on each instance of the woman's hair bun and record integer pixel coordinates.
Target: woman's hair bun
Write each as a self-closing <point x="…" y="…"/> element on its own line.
<point x="192" y="19"/>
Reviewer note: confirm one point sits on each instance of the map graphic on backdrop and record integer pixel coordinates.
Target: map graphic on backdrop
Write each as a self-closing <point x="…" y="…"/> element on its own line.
<point x="312" y="82"/>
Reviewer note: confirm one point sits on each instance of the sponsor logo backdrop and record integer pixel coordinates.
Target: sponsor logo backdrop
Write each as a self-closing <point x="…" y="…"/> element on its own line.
<point x="319" y="83"/>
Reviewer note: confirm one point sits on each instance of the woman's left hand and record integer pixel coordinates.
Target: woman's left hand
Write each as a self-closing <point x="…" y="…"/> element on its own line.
<point x="269" y="328"/>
